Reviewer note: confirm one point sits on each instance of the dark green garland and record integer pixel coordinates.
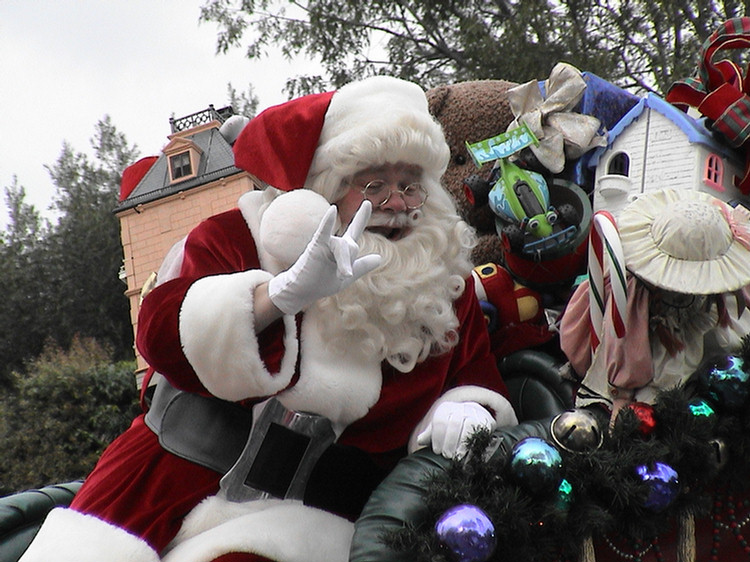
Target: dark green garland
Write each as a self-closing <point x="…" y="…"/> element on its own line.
<point x="607" y="494"/>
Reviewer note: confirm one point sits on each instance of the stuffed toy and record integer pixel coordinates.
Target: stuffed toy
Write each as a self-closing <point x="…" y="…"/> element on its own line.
<point x="472" y="111"/>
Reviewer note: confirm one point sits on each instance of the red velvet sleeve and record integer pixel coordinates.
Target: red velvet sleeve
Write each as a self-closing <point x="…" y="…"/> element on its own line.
<point x="220" y="245"/>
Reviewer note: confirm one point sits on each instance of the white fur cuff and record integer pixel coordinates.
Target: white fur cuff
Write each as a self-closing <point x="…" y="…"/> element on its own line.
<point x="71" y="536"/>
<point x="217" y="332"/>
<point x="280" y="530"/>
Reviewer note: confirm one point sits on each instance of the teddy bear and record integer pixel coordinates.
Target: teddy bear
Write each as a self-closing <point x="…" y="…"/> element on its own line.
<point x="473" y="111"/>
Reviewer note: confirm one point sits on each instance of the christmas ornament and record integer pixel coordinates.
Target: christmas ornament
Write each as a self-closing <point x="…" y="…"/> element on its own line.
<point x="537" y="465"/>
<point x="576" y="431"/>
<point x="645" y="414"/>
<point x="564" y="495"/>
<point x="725" y="380"/>
<point x="467" y="533"/>
<point x="701" y="408"/>
<point x="720" y="455"/>
<point x="664" y="485"/>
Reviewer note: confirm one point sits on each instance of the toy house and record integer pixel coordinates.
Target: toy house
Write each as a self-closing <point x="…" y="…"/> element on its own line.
<point x="163" y="197"/>
<point x="655" y="146"/>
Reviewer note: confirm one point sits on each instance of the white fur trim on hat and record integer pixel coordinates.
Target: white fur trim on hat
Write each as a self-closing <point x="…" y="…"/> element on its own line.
<point x="217" y="332"/>
<point x="281" y="530"/>
<point x="680" y="240"/>
<point x="70" y="536"/>
<point x="372" y="122"/>
<point x="497" y="403"/>
<point x="288" y="224"/>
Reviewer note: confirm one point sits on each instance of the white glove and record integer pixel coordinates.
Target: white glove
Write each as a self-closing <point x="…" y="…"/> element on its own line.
<point x="328" y="264"/>
<point x="452" y="423"/>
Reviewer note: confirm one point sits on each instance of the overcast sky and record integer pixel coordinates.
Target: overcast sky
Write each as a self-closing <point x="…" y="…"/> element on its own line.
<point x="65" y="64"/>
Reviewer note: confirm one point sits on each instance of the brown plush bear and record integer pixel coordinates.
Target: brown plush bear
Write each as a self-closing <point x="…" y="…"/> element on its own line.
<point x="472" y="111"/>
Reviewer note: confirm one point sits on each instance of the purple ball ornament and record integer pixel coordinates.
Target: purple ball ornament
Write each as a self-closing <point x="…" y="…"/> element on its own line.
<point x="467" y="533"/>
<point x="663" y="482"/>
<point x="536" y="465"/>
<point x="726" y="381"/>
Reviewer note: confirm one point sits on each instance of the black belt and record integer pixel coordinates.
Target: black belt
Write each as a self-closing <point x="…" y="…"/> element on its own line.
<point x="205" y="430"/>
<point x="272" y="456"/>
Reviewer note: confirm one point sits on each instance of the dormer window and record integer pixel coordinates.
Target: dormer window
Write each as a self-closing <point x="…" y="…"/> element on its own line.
<point x="183" y="159"/>
<point x="179" y="165"/>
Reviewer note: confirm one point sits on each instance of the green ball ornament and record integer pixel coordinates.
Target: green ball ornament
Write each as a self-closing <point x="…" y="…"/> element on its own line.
<point x="701" y="409"/>
<point x="564" y="498"/>
<point x="536" y="465"/>
<point x="726" y="381"/>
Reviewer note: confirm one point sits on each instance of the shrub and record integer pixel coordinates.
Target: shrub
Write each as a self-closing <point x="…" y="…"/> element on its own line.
<point x="58" y="416"/>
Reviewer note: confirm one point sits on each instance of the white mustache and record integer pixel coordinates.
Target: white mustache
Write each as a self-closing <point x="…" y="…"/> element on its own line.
<point x="399" y="220"/>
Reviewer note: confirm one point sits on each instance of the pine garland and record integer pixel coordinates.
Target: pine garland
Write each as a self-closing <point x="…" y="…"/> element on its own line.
<point x="607" y="494"/>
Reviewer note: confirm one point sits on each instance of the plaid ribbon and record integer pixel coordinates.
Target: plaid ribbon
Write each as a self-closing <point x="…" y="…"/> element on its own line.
<point x="720" y="91"/>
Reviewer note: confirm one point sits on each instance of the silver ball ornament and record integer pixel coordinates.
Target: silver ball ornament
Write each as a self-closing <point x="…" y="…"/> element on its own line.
<point x="576" y="431"/>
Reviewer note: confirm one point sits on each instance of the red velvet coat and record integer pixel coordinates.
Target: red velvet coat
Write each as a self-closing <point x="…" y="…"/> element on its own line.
<point x="148" y="491"/>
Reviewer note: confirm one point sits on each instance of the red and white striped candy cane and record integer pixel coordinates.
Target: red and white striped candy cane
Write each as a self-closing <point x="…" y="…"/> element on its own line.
<point x="603" y="235"/>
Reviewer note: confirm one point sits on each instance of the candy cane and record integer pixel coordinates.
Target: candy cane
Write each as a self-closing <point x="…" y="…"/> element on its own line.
<point x="603" y="235"/>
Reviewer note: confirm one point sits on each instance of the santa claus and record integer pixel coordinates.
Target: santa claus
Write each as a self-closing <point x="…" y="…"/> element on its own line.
<point x="341" y="291"/>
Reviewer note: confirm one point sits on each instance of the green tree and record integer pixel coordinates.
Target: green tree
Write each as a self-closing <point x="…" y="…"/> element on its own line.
<point x="60" y="413"/>
<point x="23" y="308"/>
<point x="59" y="280"/>
<point x="637" y="44"/>
<point x="83" y="250"/>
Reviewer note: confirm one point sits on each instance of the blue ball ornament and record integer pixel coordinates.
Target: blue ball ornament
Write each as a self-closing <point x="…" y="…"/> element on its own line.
<point x="467" y="533"/>
<point x="726" y="381"/>
<point x="536" y="465"/>
<point x="664" y="485"/>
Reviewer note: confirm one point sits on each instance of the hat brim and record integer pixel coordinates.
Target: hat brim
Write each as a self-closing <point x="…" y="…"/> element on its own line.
<point x="726" y="273"/>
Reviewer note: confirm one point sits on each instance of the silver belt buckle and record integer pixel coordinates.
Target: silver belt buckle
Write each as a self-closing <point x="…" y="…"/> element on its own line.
<point x="279" y="455"/>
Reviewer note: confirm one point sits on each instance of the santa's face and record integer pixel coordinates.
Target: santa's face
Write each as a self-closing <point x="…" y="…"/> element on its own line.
<point x="389" y="219"/>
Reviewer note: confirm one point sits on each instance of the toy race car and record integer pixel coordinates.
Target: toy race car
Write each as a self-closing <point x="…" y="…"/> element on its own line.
<point x="520" y="198"/>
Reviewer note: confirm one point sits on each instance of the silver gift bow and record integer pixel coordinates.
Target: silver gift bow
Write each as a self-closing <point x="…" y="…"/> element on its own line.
<point x="561" y="132"/>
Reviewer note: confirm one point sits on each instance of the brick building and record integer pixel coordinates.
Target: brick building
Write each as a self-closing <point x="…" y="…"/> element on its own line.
<point x="163" y="197"/>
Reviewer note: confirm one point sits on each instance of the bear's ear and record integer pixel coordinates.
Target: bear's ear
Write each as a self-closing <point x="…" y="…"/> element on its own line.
<point x="436" y="100"/>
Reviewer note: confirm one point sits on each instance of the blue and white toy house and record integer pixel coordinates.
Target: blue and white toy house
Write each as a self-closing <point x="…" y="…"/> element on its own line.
<point x="655" y="146"/>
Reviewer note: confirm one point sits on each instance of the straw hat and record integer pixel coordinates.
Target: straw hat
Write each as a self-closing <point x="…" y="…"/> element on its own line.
<point x="687" y="241"/>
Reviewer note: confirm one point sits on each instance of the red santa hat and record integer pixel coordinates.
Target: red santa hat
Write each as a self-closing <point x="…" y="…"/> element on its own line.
<point x="318" y="140"/>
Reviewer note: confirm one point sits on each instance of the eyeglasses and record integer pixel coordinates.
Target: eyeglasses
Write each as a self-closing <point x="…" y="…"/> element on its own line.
<point x="378" y="193"/>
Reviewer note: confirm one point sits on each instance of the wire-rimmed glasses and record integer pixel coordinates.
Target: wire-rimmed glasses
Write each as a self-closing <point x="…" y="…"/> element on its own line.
<point x="378" y="193"/>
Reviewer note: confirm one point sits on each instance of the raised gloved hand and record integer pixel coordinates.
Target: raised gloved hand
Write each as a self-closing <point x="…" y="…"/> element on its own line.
<point x="451" y="424"/>
<point x="329" y="264"/>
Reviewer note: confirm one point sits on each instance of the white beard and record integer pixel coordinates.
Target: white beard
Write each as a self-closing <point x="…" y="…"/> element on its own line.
<point x="403" y="311"/>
